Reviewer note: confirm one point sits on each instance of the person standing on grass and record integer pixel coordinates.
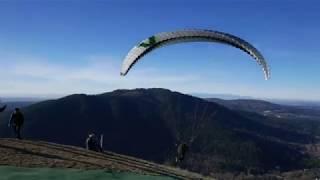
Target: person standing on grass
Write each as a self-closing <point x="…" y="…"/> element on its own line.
<point x="16" y="122"/>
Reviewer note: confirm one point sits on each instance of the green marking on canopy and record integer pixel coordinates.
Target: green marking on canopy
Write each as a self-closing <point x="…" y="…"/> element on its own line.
<point x="150" y="42"/>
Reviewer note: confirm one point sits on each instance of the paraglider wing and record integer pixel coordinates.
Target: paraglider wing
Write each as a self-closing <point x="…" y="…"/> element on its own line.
<point x="3" y="108"/>
<point x="166" y="38"/>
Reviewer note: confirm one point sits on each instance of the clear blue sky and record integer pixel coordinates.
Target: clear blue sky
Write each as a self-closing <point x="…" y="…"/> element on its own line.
<point x="73" y="46"/>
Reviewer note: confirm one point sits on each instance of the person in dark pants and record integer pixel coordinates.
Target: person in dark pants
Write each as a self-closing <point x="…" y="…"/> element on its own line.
<point x="16" y="121"/>
<point x="92" y="143"/>
<point x="181" y="152"/>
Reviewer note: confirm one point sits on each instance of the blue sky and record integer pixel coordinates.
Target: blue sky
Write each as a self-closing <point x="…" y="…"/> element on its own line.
<point x="60" y="47"/>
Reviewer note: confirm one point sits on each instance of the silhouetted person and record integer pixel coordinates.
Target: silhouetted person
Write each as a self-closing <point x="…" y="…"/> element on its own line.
<point x="93" y="144"/>
<point x="181" y="152"/>
<point x="16" y="122"/>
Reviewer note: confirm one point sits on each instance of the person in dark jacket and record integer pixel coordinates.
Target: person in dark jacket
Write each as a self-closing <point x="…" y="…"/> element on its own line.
<point x="181" y="152"/>
<point x="92" y="143"/>
<point x="16" y="122"/>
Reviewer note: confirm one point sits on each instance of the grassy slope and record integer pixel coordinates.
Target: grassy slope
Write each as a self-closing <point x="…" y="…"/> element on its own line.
<point x="18" y="173"/>
<point x="38" y="154"/>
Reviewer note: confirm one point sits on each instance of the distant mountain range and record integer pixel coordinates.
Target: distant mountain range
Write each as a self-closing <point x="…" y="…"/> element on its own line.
<point x="12" y="105"/>
<point x="21" y="99"/>
<point x="270" y="109"/>
<point x="147" y="123"/>
<point x="290" y="102"/>
<point x="220" y="96"/>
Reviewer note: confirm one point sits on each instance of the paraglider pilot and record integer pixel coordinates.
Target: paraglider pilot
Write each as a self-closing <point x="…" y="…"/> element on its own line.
<point x="16" y="121"/>
<point x="181" y="152"/>
<point x="92" y="143"/>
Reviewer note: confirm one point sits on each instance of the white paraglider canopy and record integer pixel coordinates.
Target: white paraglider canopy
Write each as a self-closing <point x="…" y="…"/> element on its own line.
<point x="167" y="38"/>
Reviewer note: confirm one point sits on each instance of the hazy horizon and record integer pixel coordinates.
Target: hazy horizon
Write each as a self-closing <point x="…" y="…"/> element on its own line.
<point x="34" y="97"/>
